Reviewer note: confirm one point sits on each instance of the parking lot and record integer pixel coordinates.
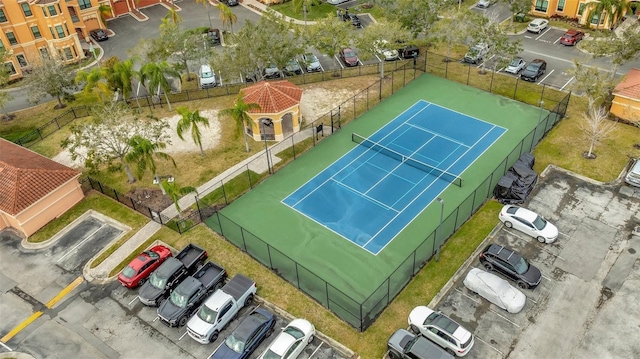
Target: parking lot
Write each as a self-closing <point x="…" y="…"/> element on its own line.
<point x="585" y="306"/>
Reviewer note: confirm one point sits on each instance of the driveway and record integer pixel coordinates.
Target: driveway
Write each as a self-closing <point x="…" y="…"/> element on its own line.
<point x="586" y="305"/>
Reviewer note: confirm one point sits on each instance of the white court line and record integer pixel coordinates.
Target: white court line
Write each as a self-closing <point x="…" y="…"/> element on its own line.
<point x="133" y="300"/>
<point x="489" y="345"/>
<point x="6" y="347"/>
<point x="81" y="243"/>
<point x="314" y="352"/>
<point x="568" y="82"/>
<point x="549" y="74"/>
<point x="183" y="335"/>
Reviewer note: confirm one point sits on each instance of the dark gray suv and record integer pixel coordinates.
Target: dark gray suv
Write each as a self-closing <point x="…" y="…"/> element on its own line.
<point x="405" y="345"/>
<point x="534" y="70"/>
<point x="511" y="264"/>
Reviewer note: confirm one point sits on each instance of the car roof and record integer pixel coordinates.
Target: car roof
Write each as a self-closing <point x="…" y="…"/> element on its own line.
<point x="282" y="343"/>
<point x="250" y="323"/>
<point x="503" y="252"/>
<point x="538" y="21"/>
<point x="526" y="214"/>
<point x="139" y="261"/>
<point x="169" y="266"/>
<point x="572" y="32"/>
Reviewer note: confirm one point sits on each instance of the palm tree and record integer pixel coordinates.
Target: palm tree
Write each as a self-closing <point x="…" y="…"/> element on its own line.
<point x="239" y="114"/>
<point x="191" y="119"/>
<point x="612" y="8"/>
<point x="103" y="12"/>
<point x="227" y="16"/>
<point x="143" y="153"/>
<point x="120" y="75"/>
<point x="208" y="6"/>
<point x="93" y="82"/>
<point x="156" y="74"/>
<point x="175" y="192"/>
<point x="173" y="16"/>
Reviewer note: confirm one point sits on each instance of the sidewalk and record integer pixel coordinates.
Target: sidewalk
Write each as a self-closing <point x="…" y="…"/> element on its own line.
<point x="259" y="8"/>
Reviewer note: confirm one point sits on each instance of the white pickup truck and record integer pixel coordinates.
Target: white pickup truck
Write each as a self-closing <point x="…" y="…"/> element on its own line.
<point x="221" y="308"/>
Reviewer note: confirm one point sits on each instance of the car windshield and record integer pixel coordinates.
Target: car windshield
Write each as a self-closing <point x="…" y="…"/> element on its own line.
<point x="294" y="332"/>
<point x="207" y="314"/>
<point x="128" y="272"/>
<point x="349" y="54"/>
<point x="206" y="75"/>
<point x="157" y="281"/>
<point x="311" y="58"/>
<point x="235" y="344"/>
<point x="522" y="266"/>
<point x="153" y="255"/>
<point x="179" y="299"/>
<point x="539" y="223"/>
<point x="269" y="354"/>
<point x="515" y="62"/>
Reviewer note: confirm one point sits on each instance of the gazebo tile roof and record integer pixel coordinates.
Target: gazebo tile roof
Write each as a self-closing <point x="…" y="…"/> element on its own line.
<point x="273" y="96"/>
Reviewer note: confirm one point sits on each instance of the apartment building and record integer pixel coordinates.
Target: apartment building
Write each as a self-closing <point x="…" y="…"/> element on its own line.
<point x="35" y="28"/>
<point x="580" y="10"/>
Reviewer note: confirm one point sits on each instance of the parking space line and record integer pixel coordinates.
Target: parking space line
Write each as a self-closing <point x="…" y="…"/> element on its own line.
<point x="542" y="33"/>
<point x="183" y="335"/>
<point x="555" y="42"/>
<point x="531" y="300"/>
<point x="154" y="319"/>
<point x="6" y="347"/>
<point x="81" y="243"/>
<point x="503" y="317"/>
<point x="340" y="62"/>
<point x="64" y="292"/>
<point x="549" y="74"/>
<point x="21" y="326"/>
<point x="547" y="278"/>
<point x="318" y="348"/>
<point x="472" y="299"/>
<point x="133" y="300"/>
<point x="489" y="345"/>
<point x="568" y="82"/>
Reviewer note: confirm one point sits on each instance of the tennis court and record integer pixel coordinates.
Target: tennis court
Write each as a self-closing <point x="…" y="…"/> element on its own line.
<point x="374" y="191"/>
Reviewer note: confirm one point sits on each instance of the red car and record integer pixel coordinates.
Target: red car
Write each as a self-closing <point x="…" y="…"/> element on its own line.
<point x="137" y="272"/>
<point x="349" y="57"/>
<point x="571" y="37"/>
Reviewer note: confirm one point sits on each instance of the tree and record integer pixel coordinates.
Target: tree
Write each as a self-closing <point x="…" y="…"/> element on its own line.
<point x="621" y="49"/>
<point x="103" y="12"/>
<point x="156" y="76"/>
<point x="105" y="139"/>
<point x="304" y="6"/>
<point x="191" y="120"/>
<point x="487" y="30"/>
<point x="276" y="42"/>
<point x="613" y="9"/>
<point x="416" y="15"/>
<point x="92" y="81"/>
<point x="240" y="116"/>
<point x="517" y="7"/>
<point x="5" y="96"/>
<point x="182" y="47"/>
<point x="227" y="16"/>
<point x="596" y="127"/>
<point x="380" y="36"/>
<point x="451" y="29"/>
<point x="175" y="192"/>
<point x="51" y="77"/>
<point x="143" y="152"/>
<point x="595" y="83"/>
<point x="329" y="34"/>
<point x="208" y="6"/>
<point x="120" y="76"/>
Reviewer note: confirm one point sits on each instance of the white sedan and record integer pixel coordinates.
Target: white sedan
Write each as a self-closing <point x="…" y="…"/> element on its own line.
<point x="495" y="289"/>
<point x="291" y="341"/>
<point x="528" y="222"/>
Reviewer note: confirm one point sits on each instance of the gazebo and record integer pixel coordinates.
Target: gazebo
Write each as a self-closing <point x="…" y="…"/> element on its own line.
<point x="279" y="113"/>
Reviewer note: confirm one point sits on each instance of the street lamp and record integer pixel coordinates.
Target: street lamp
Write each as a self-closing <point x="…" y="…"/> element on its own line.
<point x="439" y="232"/>
<point x="266" y="122"/>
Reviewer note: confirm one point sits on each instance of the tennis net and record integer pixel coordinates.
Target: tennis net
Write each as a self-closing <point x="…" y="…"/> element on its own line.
<point x="405" y="159"/>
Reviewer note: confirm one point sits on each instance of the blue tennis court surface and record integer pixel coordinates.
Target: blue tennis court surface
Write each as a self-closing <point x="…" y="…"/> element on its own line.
<point x="375" y="190"/>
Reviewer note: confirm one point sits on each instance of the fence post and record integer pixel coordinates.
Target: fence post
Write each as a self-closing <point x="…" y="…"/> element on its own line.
<point x="380" y="92"/>
<point x="224" y="193"/>
<point x="468" y="74"/>
<point x="73" y="110"/>
<point x="542" y="94"/>
<point x="57" y="124"/>
<point x="491" y="83"/>
<point x="392" y="79"/>
<point x="426" y="54"/>
<point x="133" y="203"/>
<point x="115" y="193"/>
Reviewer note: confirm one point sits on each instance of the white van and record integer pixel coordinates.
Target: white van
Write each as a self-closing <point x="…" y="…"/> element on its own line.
<point x="206" y="77"/>
<point x="633" y="177"/>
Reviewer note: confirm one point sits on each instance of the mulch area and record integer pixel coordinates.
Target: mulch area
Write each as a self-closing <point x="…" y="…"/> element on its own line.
<point x="151" y="197"/>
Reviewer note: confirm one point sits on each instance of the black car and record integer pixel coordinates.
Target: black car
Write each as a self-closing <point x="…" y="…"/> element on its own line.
<point x="256" y="327"/>
<point x="405" y="345"/>
<point x="99" y="35"/>
<point x="409" y="51"/>
<point x="508" y="262"/>
<point x="534" y="70"/>
<point x="214" y="36"/>
<point x="355" y="21"/>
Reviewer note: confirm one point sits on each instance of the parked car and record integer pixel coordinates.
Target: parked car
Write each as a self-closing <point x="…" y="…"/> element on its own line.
<point x="99" y="35"/>
<point x="336" y="2"/>
<point x="495" y="289"/>
<point x="529" y="223"/>
<point x="571" y="37"/>
<point x="515" y="66"/>
<point x="408" y="51"/>
<point x="231" y="2"/>
<point x="206" y="77"/>
<point x="484" y="3"/>
<point x="221" y="308"/>
<point x="441" y="330"/>
<point x="349" y="57"/>
<point x="293" y="68"/>
<point x="170" y="273"/>
<point x="511" y="264"/>
<point x="476" y="53"/>
<point x="256" y="327"/>
<point x="534" y="70"/>
<point x="382" y="48"/>
<point x="311" y="62"/>
<point x="139" y="269"/>
<point x="214" y="36"/>
<point x="633" y="177"/>
<point x="537" y="25"/>
<point x="291" y="341"/>
<point x="405" y="345"/>
<point x="271" y="72"/>
<point x="355" y="21"/>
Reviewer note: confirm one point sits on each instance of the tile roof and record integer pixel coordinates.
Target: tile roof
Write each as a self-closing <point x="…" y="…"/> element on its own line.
<point x="273" y="96"/>
<point x="630" y="85"/>
<point x="26" y="177"/>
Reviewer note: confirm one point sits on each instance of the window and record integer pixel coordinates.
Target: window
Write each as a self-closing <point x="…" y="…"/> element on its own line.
<point x="542" y="5"/>
<point x="84" y="4"/>
<point x="561" y="5"/>
<point x="12" y="38"/>
<point x="595" y="18"/>
<point x="44" y="11"/>
<point x="52" y="33"/>
<point x="44" y="53"/>
<point x="3" y="17"/>
<point x="26" y="9"/>
<point x="67" y="53"/>
<point x="36" y="32"/>
<point x="52" y="10"/>
<point x="22" y="60"/>
<point x="10" y="68"/>
<point x="581" y="8"/>
<point x="60" y="32"/>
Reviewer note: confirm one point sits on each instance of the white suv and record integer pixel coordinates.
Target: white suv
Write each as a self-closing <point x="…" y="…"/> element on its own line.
<point x="206" y="77"/>
<point x="441" y="330"/>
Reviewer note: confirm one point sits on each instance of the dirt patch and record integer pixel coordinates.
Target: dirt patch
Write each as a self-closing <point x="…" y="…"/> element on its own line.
<point x="150" y="197"/>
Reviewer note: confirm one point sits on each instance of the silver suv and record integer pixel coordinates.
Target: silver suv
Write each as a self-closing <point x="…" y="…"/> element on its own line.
<point x="476" y="53"/>
<point x="441" y="330"/>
